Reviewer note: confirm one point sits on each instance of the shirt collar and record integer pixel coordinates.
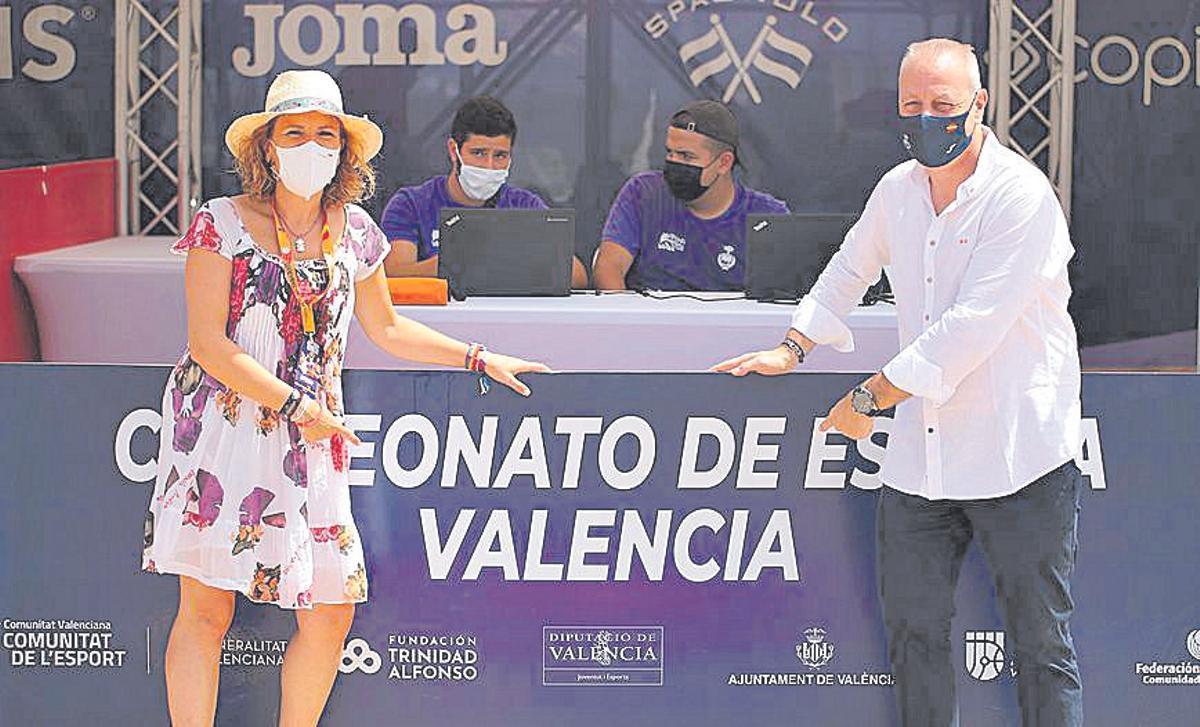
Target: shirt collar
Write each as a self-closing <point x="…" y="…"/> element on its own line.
<point x="983" y="168"/>
<point x="986" y="165"/>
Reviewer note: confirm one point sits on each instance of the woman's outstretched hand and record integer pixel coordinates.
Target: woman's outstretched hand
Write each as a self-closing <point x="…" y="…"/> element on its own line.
<point x="504" y="369"/>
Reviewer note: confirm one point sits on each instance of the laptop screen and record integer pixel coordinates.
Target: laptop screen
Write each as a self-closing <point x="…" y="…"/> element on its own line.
<point x="506" y="252"/>
<point x="786" y="253"/>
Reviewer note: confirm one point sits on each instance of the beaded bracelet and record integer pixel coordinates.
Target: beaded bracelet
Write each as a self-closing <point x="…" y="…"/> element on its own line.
<point x="475" y="361"/>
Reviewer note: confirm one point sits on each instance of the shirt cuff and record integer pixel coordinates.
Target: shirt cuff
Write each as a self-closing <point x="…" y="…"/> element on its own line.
<point x="821" y="326"/>
<point x="912" y="372"/>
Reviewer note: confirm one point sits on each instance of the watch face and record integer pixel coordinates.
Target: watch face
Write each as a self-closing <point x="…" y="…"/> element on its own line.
<point x="862" y="402"/>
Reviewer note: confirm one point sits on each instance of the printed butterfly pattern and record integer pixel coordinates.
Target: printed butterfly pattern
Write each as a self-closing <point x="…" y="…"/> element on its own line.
<point x="190" y="380"/>
<point x="251" y="520"/>
<point x="204" y="500"/>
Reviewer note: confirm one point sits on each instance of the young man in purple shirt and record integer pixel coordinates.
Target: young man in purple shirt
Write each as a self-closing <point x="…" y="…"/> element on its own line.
<point x="480" y="151"/>
<point x="684" y="228"/>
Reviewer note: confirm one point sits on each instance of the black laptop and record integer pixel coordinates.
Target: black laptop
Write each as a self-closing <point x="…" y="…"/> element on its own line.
<point x="786" y="253"/>
<point x="506" y="252"/>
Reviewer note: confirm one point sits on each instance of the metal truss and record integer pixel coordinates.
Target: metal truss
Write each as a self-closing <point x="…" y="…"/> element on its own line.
<point x="158" y="66"/>
<point x="1031" y="72"/>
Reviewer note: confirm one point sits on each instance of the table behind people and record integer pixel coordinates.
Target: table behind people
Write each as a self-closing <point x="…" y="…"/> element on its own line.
<point x="74" y="287"/>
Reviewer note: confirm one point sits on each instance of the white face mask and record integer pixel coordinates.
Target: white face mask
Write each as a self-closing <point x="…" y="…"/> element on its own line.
<point x="479" y="183"/>
<point x="306" y="169"/>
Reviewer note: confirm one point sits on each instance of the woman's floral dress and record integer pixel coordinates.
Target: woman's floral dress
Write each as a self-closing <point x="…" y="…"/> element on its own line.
<point x="241" y="502"/>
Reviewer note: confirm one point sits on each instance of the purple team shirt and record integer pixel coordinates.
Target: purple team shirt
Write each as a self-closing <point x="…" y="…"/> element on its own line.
<point x="675" y="250"/>
<point x="412" y="212"/>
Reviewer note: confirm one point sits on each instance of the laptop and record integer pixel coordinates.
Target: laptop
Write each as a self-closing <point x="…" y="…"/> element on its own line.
<point x="786" y="253"/>
<point x="506" y="252"/>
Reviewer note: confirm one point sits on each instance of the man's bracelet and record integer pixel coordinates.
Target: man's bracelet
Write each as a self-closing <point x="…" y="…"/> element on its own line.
<point x="795" y="348"/>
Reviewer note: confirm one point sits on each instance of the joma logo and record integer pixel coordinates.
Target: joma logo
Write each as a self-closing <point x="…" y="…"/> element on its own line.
<point x="472" y="38"/>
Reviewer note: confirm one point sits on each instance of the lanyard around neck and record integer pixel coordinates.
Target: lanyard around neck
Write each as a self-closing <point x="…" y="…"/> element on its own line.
<point x="305" y="297"/>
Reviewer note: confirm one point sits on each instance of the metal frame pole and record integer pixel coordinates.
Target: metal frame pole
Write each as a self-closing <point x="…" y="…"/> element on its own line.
<point x="1043" y="30"/>
<point x="143" y="67"/>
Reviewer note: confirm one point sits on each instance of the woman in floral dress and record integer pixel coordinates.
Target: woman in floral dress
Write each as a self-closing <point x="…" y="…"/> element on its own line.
<point x="252" y="493"/>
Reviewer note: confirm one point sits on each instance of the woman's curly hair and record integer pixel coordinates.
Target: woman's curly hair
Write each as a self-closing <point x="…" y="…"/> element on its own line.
<point x="353" y="182"/>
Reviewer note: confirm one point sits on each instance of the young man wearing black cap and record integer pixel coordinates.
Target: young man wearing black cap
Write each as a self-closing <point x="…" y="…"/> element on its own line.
<point x="683" y="228"/>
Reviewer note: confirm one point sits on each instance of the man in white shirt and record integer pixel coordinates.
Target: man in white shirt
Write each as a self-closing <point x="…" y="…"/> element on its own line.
<point x="986" y="390"/>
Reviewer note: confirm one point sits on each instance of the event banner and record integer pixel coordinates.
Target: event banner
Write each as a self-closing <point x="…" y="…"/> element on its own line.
<point x="56" y="81"/>
<point x="676" y="549"/>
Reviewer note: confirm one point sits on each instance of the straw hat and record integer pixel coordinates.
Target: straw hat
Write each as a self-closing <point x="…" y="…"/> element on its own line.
<point x="298" y="92"/>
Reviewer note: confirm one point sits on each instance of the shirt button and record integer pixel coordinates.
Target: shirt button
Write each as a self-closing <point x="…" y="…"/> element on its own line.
<point x="929" y="280"/>
<point x="932" y="243"/>
<point x="926" y="318"/>
<point x="930" y="430"/>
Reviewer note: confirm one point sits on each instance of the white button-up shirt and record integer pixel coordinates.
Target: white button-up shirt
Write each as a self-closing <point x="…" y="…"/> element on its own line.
<point x="987" y="347"/>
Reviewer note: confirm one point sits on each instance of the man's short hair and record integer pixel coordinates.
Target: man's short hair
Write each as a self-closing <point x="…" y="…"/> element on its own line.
<point x="935" y="47"/>
<point x="483" y="116"/>
<point x="719" y="147"/>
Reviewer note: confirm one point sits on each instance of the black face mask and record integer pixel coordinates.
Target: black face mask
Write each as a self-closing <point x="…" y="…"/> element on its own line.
<point x="684" y="180"/>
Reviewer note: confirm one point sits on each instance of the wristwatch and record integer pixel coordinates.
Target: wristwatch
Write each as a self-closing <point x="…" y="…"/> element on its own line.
<point x="862" y="400"/>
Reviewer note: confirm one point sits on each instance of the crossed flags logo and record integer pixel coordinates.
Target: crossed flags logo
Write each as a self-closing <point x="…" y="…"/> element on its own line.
<point x="791" y="69"/>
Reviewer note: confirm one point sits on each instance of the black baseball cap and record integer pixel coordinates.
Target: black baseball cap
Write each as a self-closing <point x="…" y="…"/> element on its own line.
<point x="708" y="118"/>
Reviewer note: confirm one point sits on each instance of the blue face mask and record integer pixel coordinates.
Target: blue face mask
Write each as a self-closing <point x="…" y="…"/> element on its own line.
<point x="935" y="141"/>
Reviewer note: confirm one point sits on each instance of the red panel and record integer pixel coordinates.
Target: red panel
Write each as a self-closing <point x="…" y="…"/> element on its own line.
<point x="46" y="208"/>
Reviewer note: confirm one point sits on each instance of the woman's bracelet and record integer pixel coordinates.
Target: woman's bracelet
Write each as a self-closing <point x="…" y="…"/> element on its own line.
<point x="475" y="361"/>
<point x="288" y="409"/>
